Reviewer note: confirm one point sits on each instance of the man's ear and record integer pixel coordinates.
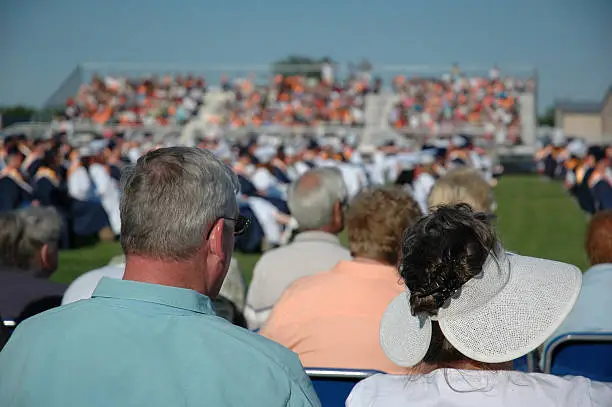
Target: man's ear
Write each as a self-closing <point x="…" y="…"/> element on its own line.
<point x="215" y="241"/>
<point x="45" y="260"/>
<point x="337" y="213"/>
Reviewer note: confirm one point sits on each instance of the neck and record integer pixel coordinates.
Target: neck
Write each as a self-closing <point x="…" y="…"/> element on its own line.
<point x="327" y="229"/>
<point x="361" y="259"/>
<point x="425" y="368"/>
<point x="182" y="274"/>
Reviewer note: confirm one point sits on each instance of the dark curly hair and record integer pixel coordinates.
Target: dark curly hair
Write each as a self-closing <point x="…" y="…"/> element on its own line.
<point x="441" y="253"/>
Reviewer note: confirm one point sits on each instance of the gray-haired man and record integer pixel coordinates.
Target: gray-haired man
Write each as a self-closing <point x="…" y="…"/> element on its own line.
<point x="152" y="338"/>
<point x="316" y="201"/>
<point x="29" y="241"/>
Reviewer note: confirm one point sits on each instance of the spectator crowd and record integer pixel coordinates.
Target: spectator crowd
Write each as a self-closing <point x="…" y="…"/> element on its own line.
<point x="424" y="104"/>
<point x="584" y="169"/>
<point x="424" y="293"/>
<point x="436" y="104"/>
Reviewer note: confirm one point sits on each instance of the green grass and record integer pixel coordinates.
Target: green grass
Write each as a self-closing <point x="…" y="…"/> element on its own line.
<point x="538" y="218"/>
<point x="535" y="218"/>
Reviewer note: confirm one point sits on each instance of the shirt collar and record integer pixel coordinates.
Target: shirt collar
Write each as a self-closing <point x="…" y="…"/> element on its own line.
<point x="599" y="269"/>
<point x="174" y="297"/>
<point x="316" y="235"/>
<point x="368" y="270"/>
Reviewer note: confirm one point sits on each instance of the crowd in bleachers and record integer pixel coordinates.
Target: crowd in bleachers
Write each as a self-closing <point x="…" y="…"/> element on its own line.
<point x="433" y="104"/>
<point x="424" y="291"/>
<point x="137" y="102"/>
<point x="585" y="170"/>
<point x="298" y="100"/>
<point x="426" y="104"/>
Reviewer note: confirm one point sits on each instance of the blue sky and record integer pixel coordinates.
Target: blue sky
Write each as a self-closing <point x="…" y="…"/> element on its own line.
<point x="568" y="41"/>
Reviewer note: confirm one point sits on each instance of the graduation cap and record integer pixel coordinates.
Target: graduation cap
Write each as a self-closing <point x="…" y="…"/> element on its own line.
<point x="14" y="151"/>
<point x="597" y="152"/>
<point x="312" y="145"/>
<point x="441" y="152"/>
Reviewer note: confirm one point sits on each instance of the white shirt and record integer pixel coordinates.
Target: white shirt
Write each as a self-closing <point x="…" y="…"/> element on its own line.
<point x="421" y="186"/>
<point x="454" y="388"/>
<point x="79" y="184"/>
<point x="108" y="189"/>
<point x="262" y="179"/>
<point x="82" y="288"/>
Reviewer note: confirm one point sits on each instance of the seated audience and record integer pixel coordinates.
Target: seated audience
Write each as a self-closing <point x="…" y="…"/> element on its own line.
<point x="592" y="310"/>
<point x="229" y="304"/>
<point x="316" y="201"/>
<point x="331" y="319"/>
<point x="16" y="192"/>
<point x="463" y="185"/>
<point x="468" y="311"/>
<point x="153" y="338"/>
<point x="28" y="256"/>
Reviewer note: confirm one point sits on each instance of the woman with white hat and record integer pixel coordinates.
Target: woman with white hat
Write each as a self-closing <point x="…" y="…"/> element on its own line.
<point x="469" y="309"/>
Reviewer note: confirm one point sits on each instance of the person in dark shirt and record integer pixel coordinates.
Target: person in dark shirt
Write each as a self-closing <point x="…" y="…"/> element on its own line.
<point x="15" y="191"/>
<point x="28" y="256"/>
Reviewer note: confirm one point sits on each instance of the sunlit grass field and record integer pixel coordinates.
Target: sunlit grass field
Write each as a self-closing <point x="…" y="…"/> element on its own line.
<point x="535" y="217"/>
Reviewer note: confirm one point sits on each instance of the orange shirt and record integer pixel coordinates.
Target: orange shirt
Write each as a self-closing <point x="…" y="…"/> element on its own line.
<point x="331" y="319"/>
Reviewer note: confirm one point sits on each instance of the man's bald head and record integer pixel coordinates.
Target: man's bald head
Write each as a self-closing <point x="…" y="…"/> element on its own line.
<point x="313" y="197"/>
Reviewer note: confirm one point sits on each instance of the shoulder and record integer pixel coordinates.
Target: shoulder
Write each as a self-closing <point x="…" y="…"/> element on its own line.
<point x="266" y="351"/>
<point x="303" y="291"/>
<point x="375" y="391"/>
<point x="83" y="286"/>
<point x="272" y="258"/>
<point x="7" y="182"/>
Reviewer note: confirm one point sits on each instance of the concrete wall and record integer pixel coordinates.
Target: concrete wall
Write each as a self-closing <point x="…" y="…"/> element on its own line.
<point x="585" y="125"/>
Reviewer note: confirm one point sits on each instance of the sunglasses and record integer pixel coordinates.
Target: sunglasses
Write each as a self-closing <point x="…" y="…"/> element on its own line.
<point x="241" y="223"/>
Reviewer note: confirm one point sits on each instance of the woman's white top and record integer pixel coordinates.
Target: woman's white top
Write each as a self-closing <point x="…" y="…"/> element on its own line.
<point x="460" y="388"/>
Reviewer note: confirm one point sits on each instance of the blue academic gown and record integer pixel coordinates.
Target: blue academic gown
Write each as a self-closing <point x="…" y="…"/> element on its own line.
<point x="33" y="168"/>
<point x="246" y="186"/>
<point x="49" y="192"/>
<point x="584" y="193"/>
<point x="115" y="172"/>
<point x="280" y="175"/>
<point x="250" y="241"/>
<point x="601" y="190"/>
<point x="13" y="195"/>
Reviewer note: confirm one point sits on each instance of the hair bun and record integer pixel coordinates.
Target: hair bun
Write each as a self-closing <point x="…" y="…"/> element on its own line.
<point x="441" y="253"/>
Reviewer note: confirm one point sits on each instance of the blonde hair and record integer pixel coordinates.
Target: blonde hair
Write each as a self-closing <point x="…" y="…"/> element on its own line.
<point x="463" y="185"/>
<point x="376" y="220"/>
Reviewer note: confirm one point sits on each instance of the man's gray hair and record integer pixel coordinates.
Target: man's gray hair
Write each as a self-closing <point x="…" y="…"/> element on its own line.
<point x="24" y="232"/>
<point x="171" y="198"/>
<point x="313" y="195"/>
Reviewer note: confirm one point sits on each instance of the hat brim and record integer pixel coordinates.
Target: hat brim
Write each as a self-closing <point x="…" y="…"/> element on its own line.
<point x="531" y="306"/>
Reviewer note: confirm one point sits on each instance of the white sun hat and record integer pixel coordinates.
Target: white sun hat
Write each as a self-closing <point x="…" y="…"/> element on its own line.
<point x="503" y="313"/>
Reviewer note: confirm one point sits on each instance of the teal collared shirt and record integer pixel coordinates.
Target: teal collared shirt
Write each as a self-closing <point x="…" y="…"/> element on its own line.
<point x="138" y="344"/>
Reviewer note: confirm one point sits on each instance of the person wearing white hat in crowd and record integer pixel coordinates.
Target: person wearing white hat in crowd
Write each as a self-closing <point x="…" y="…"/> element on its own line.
<point x="469" y="309"/>
<point x="107" y="187"/>
<point x="423" y="180"/>
<point x="291" y="161"/>
<point x="265" y="183"/>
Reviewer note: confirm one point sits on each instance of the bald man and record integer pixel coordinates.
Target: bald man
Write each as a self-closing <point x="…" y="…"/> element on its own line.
<point x="316" y="200"/>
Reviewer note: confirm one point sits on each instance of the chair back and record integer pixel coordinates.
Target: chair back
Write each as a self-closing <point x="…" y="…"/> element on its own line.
<point x="334" y="385"/>
<point x="525" y="363"/>
<point x="587" y="354"/>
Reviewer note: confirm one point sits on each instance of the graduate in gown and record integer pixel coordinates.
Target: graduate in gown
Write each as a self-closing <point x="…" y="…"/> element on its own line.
<point x="15" y="192"/>
<point x="50" y="190"/>
<point x="106" y="186"/>
<point x="89" y="217"/>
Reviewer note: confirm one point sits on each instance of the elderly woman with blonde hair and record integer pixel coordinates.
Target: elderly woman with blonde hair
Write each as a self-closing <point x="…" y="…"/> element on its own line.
<point x="463" y="185"/>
